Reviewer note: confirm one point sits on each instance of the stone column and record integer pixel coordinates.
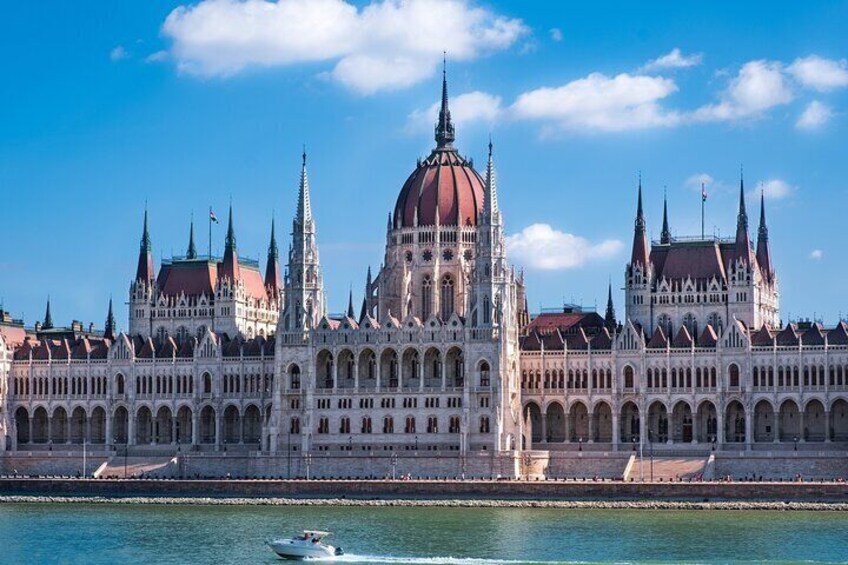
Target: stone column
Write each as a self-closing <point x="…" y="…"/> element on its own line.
<point x="219" y="429"/>
<point x="695" y="426"/>
<point x="110" y="440"/>
<point x="776" y="426"/>
<point x="720" y="425"/>
<point x="443" y="372"/>
<point x="356" y="373"/>
<point x="195" y="427"/>
<point x="544" y="419"/>
<point x="801" y="432"/>
<point x="174" y="429"/>
<point x="68" y="428"/>
<point x="335" y="372"/>
<point x="420" y="372"/>
<point x="130" y="428"/>
<point x="567" y="427"/>
<point x="749" y="430"/>
<point x="616" y="431"/>
<point x="592" y="425"/>
<point x="827" y="426"/>
<point x="378" y="365"/>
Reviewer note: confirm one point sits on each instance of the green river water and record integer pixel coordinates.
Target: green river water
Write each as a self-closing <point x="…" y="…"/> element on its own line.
<point x="81" y="533"/>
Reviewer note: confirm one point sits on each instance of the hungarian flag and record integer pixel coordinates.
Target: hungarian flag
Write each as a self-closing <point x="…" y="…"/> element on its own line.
<point x="703" y="193"/>
<point x="212" y="216"/>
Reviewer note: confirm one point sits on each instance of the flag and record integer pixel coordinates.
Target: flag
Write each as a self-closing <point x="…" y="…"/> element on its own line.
<point x="212" y="216"/>
<point x="703" y="193"/>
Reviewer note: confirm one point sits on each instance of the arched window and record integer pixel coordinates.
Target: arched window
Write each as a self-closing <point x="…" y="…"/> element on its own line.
<point x="295" y="377"/>
<point x="453" y="425"/>
<point x="207" y="383"/>
<point x="388" y="425"/>
<point x="426" y="297"/>
<point x="628" y="377"/>
<point x="409" y="428"/>
<point x="484" y="425"/>
<point x="487" y="310"/>
<point x="715" y="321"/>
<point x="366" y="425"/>
<point x="734" y="376"/>
<point x="119" y="383"/>
<point x="484" y="374"/>
<point x="447" y="297"/>
<point x="664" y="322"/>
<point x="691" y="324"/>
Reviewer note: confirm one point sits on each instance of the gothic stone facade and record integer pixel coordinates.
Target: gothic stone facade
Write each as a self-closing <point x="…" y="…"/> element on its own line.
<point x="442" y="358"/>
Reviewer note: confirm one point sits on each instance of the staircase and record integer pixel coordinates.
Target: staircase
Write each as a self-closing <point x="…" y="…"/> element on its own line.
<point x="667" y="468"/>
<point x="135" y="466"/>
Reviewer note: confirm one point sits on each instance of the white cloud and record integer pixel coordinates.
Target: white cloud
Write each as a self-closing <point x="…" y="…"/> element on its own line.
<point x="674" y="59"/>
<point x="539" y="246"/>
<point x="156" y="57"/>
<point x="759" y="86"/>
<point x="387" y="44"/>
<point x="598" y="102"/>
<point x="816" y="254"/>
<point x="815" y="115"/>
<point x="118" y="53"/>
<point x="775" y="189"/>
<point x="465" y="108"/>
<point x="556" y="34"/>
<point x="695" y="181"/>
<point x="820" y="74"/>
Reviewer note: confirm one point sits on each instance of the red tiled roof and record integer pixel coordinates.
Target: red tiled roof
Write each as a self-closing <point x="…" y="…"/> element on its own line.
<point x="699" y="260"/>
<point x="658" y="340"/>
<point x="565" y="321"/>
<point x="192" y="278"/>
<point x="708" y="337"/>
<point x="444" y="183"/>
<point x="683" y="338"/>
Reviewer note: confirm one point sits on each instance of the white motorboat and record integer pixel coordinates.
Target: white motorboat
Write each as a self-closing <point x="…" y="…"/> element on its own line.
<point x="305" y="546"/>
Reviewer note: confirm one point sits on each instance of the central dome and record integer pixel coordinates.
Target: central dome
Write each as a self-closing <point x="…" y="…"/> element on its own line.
<point x="443" y="186"/>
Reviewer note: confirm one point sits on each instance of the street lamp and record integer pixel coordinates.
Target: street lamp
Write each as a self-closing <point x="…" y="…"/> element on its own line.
<point x="796" y="444"/>
<point x="416" y="444"/>
<point x="580" y="444"/>
<point x="394" y="465"/>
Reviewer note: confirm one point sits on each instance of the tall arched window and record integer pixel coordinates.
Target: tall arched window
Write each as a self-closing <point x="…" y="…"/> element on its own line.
<point x="426" y="297"/>
<point x="487" y="310"/>
<point x="295" y="377"/>
<point x="664" y="322"/>
<point x="628" y="377"/>
<point x="447" y="297"/>
<point x="691" y="324"/>
<point x="715" y="321"/>
<point x="734" y="375"/>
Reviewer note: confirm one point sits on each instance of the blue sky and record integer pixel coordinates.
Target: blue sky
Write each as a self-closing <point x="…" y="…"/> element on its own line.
<point x="105" y="106"/>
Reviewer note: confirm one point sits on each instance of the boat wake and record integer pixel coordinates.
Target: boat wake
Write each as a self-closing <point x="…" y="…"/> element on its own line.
<point x="388" y="560"/>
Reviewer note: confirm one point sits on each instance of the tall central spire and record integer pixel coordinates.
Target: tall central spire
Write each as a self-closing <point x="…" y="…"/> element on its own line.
<point x="144" y="271"/>
<point x="230" y="264"/>
<point x="445" y="134"/>
<point x="304" y="206"/>
<point x="743" y="243"/>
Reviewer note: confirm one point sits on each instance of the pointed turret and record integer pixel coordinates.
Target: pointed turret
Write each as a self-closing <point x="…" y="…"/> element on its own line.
<point x="743" y="243"/>
<point x="230" y="264"/>
<point x="490" y="201"/>
<point x="639" y="256"/>
<point x="445" y="134"/>
<point x="665" y="235"/>
<point x="304" y="206"/>
<point x="304" y="285"/>
<point x="350" y="312"/>
<point x="144" y="272"/>
<point x="763" y="249"/>
<point x="109" y="328"/>
<point x="273" y="279"/>
<point x="48" y="318"/>
<point x="609" y="317"/>
<point x="191" y="253"/>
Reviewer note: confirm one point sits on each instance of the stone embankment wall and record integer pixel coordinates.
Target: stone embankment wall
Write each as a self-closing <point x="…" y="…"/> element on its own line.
<point x="433" y="490"/>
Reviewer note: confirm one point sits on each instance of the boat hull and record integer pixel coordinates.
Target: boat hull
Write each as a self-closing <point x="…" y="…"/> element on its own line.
<point x="297" y="551"/>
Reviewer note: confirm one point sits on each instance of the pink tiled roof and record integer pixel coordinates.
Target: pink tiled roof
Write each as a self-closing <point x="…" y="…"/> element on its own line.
<point x="444" y="182"/>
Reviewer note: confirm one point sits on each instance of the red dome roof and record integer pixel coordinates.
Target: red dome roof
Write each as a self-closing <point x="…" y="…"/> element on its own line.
<point x="443" y="184"/>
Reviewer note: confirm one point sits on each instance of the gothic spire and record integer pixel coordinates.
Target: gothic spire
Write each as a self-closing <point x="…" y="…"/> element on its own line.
<point x="640" y="238"/>
<point x="304" y="207"/>
<point x="665" y="235"/>
<point x="230" y="264"/>
<point x="490" y="202"/>
<point x="191" y="253"/>
<point x="763" y="248"/>
<point x="48" y="319"/>
<point x="109" y="329"/>
<point x="273" y="280"/>
<point x="444" y="128"/>
<point x="144" y="271"/>
<point x="743" y="243"/>
<point x="230" y="242"/>
<point x="609" y="317"/>
<point x="350" y="311"/>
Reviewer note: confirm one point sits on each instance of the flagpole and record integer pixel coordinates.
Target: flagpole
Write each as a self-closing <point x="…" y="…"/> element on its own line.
<point x="210" y="232"/>
<point x="702" y="210"/>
